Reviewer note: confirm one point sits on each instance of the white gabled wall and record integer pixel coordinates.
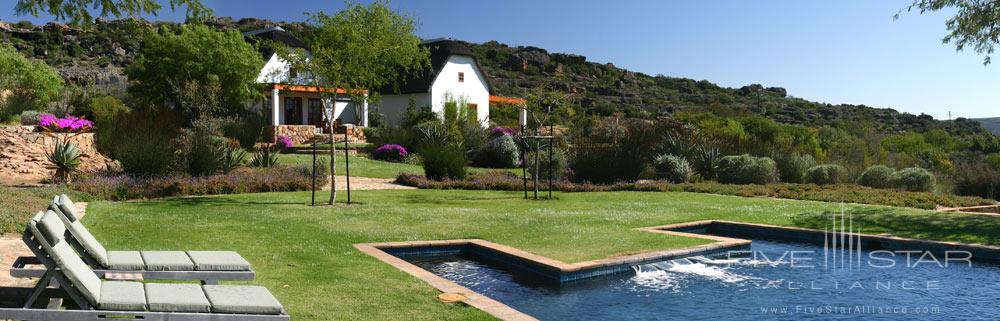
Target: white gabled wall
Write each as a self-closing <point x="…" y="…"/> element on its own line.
<point x="473" y="89"/>
<point x="393" y="106"/>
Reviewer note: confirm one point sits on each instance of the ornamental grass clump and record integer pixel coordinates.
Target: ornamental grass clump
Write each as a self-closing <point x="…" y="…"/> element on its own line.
<point x="391" y="153"/>
<point x="877" y="176"/>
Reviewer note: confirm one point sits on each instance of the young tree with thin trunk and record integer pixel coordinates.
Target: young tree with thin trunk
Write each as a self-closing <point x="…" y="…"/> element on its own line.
<point x="358" y="49"/>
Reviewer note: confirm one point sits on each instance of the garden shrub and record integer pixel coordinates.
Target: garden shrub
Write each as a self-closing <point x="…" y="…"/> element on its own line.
<point x="792" y="168"/>
<point x="391" y="153"/>
<point x="30" y="117"/>
<point x="101" y="107"/>
<point x="443" y="162"/>
<point x="501" y="152"/>
<point x="877" y="176"/>
<point x="746" y="169"/>
<point x="914" y="179"/>
<point x="976" y="179"/>
<point x="248" y="129"/>
<point x="474" y="138"/>
<point x="242" y="180"/>
<point x="613" y="150"/>
<point x="559" y="162"/>
<point x="826" y="174"/>
<point x="672" y="168"/>
<point x="378" y="136"/>
<point x="142" y="141"/>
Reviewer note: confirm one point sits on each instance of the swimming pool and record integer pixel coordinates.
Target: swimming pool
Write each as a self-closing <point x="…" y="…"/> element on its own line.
<point x="774" y="280"/>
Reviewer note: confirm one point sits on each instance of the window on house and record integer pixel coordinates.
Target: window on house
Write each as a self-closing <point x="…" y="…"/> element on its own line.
<point x="461" y="77"/>
<point x="292" y="74"/>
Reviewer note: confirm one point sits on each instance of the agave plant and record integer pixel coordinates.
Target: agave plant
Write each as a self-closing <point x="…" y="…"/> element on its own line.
<point x="264" y="157"/>
<point x="66" y="158"/>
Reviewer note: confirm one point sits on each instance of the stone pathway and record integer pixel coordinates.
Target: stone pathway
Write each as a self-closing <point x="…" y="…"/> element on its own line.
<point x="11" y="247"/>
<point x="366" y="183"/>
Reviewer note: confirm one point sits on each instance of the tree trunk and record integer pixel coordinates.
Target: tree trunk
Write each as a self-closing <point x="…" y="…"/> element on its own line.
<point x="333" y="147"/>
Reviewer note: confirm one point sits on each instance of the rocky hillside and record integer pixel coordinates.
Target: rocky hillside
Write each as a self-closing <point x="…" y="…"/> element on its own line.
<point x="97" y="56"/>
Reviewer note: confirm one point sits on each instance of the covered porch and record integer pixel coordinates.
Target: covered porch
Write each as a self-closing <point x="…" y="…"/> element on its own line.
<point x="297" y="111"/>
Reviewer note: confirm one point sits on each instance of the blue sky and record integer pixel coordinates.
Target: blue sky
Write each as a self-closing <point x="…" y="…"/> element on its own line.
<point x="845" y="51"/>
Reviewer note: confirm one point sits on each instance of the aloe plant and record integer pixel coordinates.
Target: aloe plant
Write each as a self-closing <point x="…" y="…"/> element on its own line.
<point x="66" y="158"/>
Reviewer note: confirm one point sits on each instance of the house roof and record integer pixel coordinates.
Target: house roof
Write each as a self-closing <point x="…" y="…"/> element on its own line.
<point x="276" y="34"/>
<point x="440" y="50"/>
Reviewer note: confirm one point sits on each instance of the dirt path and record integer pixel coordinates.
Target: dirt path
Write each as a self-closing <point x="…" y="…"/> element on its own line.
<point x="11" y="247"/>
<point x="366" y="183"/>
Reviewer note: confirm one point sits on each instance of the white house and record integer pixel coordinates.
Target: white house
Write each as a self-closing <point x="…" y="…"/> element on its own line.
<point x="454" y="75"/>
<point x="294" y="107"/>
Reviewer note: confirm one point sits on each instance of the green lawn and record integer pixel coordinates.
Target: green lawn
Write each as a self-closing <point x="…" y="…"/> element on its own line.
<point x="365" y="167"/>
<point x="304" y="254"/>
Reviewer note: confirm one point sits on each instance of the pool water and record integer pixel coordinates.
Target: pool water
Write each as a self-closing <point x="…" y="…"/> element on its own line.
<point x="774" y="281"/>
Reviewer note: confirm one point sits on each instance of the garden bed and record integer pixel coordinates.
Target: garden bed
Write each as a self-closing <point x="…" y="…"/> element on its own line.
<point x="244" y="180"/>
<point x="505" y="181"/>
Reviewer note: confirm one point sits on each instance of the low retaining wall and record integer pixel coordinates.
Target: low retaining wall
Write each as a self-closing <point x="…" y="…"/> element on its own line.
<point x="22" y="154"/>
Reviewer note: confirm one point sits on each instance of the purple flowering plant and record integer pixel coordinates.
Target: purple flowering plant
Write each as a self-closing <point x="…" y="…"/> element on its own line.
<point x="68" y="124"/>
<point x="284" y="141"/>
<point x="390" y="152"/>
<point x="500" y="131"/>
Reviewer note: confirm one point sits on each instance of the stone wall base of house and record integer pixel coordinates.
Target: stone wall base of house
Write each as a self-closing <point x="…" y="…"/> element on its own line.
<point x="23" y="148"/>
<point x="303" y="134"/>
<point x="300" y="134"/>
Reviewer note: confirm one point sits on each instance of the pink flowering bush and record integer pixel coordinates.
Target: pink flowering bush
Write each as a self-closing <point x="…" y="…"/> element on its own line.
<point x="501" y="131"/>
<point x="390" y="152"/>
<point x="68" y="124"/>
<point x="284" y="141"/>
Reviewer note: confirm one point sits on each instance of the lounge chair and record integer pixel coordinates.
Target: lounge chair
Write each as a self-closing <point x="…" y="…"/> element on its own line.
<point x="208" y="266"/>
<point x="99" y="300"/>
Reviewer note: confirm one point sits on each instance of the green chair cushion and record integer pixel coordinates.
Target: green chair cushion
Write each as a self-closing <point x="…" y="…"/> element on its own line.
<point x="244" y="299"/>
<point x="218" y="261"/>
<point x="52" y="227"/>
<point x="170" y="297"/>
<point x="122" y="296"/>
<point x="125" y="260"/>
<point x="167" y="261"/>
<point x="89" y="243"/>
<point x="68" y="208"/>
<point x="82" y="277"/>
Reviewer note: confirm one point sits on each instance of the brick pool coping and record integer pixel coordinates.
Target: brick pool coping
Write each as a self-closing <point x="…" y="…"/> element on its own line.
<point x="612" y="265"/>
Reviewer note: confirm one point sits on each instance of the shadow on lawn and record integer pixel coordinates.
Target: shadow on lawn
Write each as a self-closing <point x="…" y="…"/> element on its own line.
<point x="967" y="228"/>
<point x="215" y="201"/>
